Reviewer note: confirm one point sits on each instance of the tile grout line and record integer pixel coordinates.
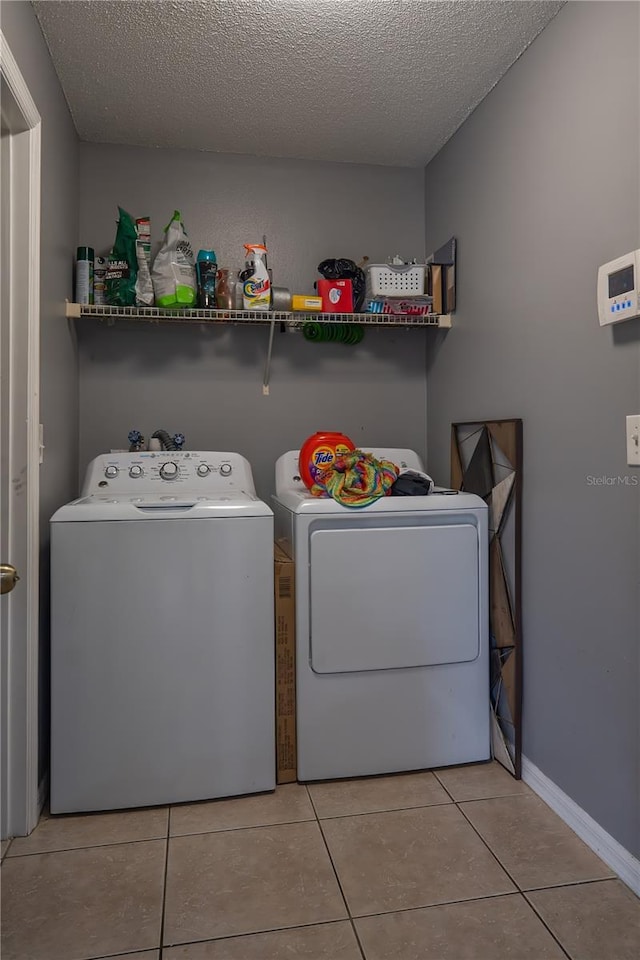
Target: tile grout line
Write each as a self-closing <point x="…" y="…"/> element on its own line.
<point x="438" y="903"/>
<point x="574" y="883"/>
<point x="438" y="770"/>
<point x="247" y="826"/>
<point x="164" y="886"/>
<point x="178" y="836"/>
<point x="513" y="880"/>
<point x="486" y="844"/>
<point x="546" y="886"/>
<point x="326" y="923"/>
<point x="252" y="826"/>
<point x="545" y="924"/>
<point x="492" y="796"/>
<point x="369" y="813"/>
<point x="240" y="936"/>
<point x="127" y="953"/>
<point x="448" y="792"/>
<point x="333" y="867"/>
<point x="357" y="936"/>
<point x="88" y="846"/>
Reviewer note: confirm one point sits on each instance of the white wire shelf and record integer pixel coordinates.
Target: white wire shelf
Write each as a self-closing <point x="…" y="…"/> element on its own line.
<point x="157" y="315"/>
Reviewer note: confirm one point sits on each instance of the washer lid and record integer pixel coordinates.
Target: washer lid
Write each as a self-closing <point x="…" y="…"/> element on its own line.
<point x="164" y="507"/>
<point x="301" y="503"/>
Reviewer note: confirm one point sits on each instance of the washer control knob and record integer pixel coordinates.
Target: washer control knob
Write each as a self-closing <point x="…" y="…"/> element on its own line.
<point x="111" y="472"/>
<point x="203" y="470"/>
<point x="225" y="469"/>
<point x="135" y="471"/>
<point x="169" y="471"/>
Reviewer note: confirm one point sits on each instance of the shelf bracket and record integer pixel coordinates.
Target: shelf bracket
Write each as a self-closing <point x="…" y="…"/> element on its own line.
<point x="267" y="366"/>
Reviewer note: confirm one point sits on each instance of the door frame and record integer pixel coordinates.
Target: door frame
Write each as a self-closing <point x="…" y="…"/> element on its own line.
<point x="24" y="807"/>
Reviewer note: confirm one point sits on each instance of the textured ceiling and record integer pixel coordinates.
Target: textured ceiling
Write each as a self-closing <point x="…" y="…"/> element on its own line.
<point x="375" y="81"/>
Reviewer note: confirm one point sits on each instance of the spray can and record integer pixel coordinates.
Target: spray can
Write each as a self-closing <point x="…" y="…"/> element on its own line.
<point x="84" y="275"/>
<point x="99" y="280"/>
<point x="206" y="269"/>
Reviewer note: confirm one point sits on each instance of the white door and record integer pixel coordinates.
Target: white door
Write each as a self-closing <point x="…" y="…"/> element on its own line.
<point x="19" y="447"/>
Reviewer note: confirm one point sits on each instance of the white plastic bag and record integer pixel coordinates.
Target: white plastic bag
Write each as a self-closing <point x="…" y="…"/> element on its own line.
<point x="144" y="286"/>
<point x="174" y="273"/>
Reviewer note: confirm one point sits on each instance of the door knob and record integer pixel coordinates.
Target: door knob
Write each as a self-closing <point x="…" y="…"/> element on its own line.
<point x="8" y="577"/>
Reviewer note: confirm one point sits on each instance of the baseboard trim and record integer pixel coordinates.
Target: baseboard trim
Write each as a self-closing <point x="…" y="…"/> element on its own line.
<point x="602" y="843"/>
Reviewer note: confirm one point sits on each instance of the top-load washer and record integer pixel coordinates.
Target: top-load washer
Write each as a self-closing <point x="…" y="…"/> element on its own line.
<point x="391" y="627"/>
<point x="162" y="650"/>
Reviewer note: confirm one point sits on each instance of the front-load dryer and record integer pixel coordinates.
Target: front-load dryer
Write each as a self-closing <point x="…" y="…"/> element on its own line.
<point x="391" y="627"/>
<point x="162" y="650"/>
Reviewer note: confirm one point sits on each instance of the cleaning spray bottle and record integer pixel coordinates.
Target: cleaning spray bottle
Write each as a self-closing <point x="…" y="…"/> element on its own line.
<point x="256" y="283"/>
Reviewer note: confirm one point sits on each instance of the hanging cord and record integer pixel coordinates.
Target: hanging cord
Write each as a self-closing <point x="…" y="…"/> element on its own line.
<point x="356" y="479"/>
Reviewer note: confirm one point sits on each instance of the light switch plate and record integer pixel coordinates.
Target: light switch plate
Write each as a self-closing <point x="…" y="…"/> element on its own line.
<point x="633" y="441"/>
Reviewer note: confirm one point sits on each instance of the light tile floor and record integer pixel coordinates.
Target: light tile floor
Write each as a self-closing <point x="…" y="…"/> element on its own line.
<point x="458" y="864"/>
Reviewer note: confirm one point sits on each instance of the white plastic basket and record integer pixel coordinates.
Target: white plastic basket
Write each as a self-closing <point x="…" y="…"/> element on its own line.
<point x="385" y="280"/>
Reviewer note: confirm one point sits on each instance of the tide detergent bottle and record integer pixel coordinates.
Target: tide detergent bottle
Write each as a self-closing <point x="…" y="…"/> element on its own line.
<point x="256" y="283"/>
<point x="319" y="452"/>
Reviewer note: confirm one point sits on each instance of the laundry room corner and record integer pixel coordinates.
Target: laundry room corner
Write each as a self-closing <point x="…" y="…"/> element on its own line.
<point x="538" y="205"/>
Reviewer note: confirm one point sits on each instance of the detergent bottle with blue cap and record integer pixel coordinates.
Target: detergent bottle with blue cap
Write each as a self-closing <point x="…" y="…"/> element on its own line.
<point x="206" y="270"/>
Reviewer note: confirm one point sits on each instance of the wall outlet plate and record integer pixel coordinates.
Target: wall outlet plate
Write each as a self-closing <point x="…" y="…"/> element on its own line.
<point x="633" y="441"/>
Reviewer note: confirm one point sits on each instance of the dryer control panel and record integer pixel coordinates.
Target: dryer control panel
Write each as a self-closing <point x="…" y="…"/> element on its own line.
<point x="190" y="471"/>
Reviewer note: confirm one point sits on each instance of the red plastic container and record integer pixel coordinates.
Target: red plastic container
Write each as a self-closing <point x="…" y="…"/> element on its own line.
<point x="319" y="451"/>
<point x="337" y="295"/>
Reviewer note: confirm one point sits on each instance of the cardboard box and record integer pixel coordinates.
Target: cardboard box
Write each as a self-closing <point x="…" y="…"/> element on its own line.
<point x="450" y="272"/>
<point x="301" y="302"/>
<point x="285" y="630"/>
<point x="436" y="287"/>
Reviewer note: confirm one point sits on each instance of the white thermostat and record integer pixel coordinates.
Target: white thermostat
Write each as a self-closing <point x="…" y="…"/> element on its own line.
<point x="619" y="289"/>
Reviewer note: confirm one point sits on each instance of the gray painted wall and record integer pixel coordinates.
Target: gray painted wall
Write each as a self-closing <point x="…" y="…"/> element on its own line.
<point x="59" y="229"/>
<point x="208" y="382"/>
<point x="540" y="186"/>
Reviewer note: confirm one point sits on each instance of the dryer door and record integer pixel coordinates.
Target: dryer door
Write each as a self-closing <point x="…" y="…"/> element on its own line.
<point x="384" y="598"/>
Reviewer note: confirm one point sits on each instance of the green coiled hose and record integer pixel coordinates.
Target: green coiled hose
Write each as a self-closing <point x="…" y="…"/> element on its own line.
<point x="351" y="333"/>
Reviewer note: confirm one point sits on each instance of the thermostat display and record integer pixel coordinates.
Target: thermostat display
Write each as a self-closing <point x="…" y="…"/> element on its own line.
<point x="618" y="289"/>
<point x="621" y="281"/>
